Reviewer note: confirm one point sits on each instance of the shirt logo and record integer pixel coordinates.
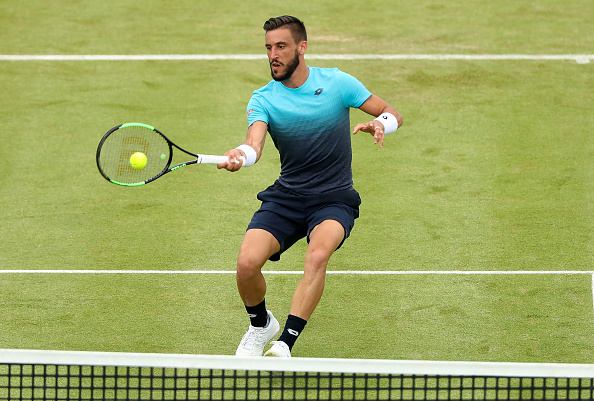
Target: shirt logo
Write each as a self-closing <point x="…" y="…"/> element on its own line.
<point x="319" y="91"/>
<point x="250" y="112"/>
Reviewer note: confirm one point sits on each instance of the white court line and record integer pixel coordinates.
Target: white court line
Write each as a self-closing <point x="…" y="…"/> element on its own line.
<point x="296" y="272"/>
<point x="330" y="272"/>
<point x="593" y="290"/>
<point x="578" y="58"/>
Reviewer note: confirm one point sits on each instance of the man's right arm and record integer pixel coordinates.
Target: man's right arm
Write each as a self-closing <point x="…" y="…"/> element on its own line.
<point x="256" y="136"/>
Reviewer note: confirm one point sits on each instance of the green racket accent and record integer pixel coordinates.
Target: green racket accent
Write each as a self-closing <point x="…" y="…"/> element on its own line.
<point x="180" y="166"/>
<point x="136" y="184"/>
<point x="137" y="125"/>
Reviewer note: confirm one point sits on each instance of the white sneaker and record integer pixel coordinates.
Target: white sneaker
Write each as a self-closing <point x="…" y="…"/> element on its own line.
<point x="256" y="338"/>
<point x="279" y="349"/>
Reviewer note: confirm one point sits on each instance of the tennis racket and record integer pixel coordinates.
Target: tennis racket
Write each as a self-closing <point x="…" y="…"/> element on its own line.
<point x="135" y="154"/>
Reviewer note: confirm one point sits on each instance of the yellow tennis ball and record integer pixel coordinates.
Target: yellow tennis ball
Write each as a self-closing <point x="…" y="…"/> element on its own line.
<point x="138" y="160"/>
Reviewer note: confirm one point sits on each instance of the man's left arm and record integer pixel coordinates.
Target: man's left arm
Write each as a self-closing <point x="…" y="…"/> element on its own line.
<point x="388" y="119"/>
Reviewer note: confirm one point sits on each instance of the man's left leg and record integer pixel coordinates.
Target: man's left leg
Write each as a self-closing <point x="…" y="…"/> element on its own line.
<point x="324" y="239"/>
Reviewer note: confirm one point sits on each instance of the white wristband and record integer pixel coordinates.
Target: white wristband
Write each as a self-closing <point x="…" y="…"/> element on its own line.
<point x="389" y="122"/>
<point x="250" y="155"/>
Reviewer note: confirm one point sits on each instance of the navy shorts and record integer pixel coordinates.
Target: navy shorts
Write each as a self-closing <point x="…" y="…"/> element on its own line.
<point x="290" y="217"/>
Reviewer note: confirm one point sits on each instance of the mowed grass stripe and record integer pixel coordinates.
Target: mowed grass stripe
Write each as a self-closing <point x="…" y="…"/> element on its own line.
<point x="579" y="58"/>
<point x="295" y="272"/>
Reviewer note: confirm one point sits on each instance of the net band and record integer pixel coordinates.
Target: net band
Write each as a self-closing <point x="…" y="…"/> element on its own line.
<point x="330" y="365"/>
<point x="65" y="375"/>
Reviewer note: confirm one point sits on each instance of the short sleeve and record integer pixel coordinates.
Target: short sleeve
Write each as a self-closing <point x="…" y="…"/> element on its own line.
<point x="354" y="93"/>
<point x="255" y="111"/>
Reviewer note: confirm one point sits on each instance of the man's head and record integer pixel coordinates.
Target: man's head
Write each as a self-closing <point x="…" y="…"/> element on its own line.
<point x="286" y="41"/>
<point x="293" y="23"/>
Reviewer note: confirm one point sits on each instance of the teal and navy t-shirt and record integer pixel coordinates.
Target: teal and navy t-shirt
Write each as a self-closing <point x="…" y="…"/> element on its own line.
<point x="310" y="127"/>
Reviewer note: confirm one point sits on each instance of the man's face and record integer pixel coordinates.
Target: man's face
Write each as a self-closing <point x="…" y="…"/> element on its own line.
<point x="283" y="53"/>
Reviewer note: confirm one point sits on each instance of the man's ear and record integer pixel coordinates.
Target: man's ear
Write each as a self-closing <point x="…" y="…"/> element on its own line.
<point x="302" y="47"/>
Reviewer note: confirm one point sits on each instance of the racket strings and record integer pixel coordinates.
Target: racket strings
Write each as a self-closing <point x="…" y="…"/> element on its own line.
<point x="120" y="145"/>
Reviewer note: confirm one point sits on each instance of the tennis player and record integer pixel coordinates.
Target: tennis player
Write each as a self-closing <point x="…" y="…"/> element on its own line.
<point x="306" y="111"/>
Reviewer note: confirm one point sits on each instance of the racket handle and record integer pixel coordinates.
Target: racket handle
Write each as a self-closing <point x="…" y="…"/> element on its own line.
<point x="211" y="159"/>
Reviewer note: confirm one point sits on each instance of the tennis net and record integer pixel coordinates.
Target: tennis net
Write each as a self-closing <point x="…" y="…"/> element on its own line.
<point x="69" y="375"/>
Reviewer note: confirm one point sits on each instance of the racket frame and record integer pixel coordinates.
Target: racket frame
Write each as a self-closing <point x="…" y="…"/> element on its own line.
<point x="199" y="158"/>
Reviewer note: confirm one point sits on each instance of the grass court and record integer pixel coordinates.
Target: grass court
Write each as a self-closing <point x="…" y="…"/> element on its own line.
<point x="493" y="171"/>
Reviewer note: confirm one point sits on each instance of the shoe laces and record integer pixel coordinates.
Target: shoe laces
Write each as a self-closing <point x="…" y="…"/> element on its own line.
<point x="253" y="335"/>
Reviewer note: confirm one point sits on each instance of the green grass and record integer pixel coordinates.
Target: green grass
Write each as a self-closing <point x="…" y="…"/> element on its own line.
<point x="493" y="170"/>
<point x="348" y="26"/>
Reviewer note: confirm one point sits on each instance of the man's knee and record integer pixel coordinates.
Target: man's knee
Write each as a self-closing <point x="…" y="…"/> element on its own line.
<point x="248" y="265"/>
<point x="256" y="248"/>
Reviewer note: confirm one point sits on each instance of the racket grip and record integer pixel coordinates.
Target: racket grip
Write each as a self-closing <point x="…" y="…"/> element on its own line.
<point x="212" y="159"/>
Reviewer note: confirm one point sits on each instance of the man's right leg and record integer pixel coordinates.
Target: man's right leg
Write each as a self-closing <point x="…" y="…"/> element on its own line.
<point x="257" y="246"/>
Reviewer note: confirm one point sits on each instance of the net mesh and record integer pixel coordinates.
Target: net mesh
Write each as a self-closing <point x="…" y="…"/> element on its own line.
<point x="76" y="380"/>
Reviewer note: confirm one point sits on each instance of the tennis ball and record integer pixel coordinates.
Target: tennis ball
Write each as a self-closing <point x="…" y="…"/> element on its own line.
<point x="138" y="160"/>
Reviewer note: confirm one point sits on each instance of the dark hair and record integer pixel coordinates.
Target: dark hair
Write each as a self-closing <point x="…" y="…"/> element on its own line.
<point x="293" y="23"/>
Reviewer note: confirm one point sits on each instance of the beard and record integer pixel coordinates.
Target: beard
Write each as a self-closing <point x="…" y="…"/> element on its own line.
<point x="289" y="69"/>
